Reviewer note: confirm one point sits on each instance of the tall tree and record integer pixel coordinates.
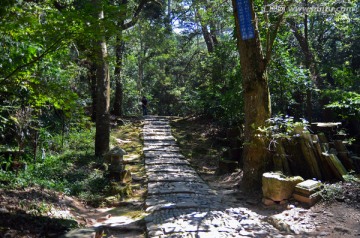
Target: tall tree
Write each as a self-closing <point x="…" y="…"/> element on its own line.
<point x="257" y="105"/>
<point x="126" y="21"/>
<point x="119" y="52"/>
<point x="102" y="136"/>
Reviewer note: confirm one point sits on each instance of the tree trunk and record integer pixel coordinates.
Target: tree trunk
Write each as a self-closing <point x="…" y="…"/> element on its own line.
<point x="92" y="79"/>
<point x="256" y="104"/>
<point x="309" y="61"/>
<point x="102" y="135"/>
<point x="209" y="36"/>
<point x="118" y="100"/>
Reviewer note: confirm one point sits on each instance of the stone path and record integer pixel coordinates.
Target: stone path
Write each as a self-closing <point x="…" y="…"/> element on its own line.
<point x="180" y="203"/>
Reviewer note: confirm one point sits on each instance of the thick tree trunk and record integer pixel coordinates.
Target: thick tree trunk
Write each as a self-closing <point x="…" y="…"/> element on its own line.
<point x="118" y="100"/>
<point x="256" y="104"/>
<point x="102" y="135"/>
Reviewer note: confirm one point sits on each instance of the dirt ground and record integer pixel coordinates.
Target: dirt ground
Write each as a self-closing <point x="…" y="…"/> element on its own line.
<point x="334" y="219"/>
<point x="36" y="212"/>
<point x="337" y="216"/>
<point x="19" y="218"/>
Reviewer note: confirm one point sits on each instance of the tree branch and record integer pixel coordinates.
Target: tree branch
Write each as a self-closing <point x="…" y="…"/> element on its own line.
<point x="135" y="17"/>
<point x="270" y="38"/>
<point x="51" y="48"/>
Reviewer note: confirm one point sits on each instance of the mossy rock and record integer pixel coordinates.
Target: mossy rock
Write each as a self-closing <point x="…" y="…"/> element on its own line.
<point x="279" y="187"/>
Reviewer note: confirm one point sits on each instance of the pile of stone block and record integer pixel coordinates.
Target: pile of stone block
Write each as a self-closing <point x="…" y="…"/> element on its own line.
<point x="307" y="192"/>
<point x="279" y="189"/>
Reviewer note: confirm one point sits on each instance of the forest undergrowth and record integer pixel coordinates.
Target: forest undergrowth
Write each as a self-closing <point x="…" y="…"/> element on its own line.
<point x="53" y="195"/>
<point x="59" y="191"/>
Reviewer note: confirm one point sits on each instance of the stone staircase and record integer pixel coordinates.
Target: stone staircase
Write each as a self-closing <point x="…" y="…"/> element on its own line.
<point x="179" y="202"/>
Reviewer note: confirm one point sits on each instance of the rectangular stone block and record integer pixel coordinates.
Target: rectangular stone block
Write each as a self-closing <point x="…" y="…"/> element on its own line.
<point x="311" y="200"/>
<point x="307" y="187"/>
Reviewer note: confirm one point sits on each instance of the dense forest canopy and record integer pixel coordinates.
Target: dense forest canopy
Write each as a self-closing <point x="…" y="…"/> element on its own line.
<point x="65" y="64"/>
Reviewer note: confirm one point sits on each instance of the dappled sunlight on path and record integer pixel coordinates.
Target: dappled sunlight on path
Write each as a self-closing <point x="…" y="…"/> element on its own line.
<point x="180" y="203"/>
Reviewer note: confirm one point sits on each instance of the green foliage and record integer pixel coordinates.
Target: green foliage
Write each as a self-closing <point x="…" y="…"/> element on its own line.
<point x="345" y="104"/>
<point x="72" y="172"/>
<point x="283" y="127"/>
<point x="331" y="191"/>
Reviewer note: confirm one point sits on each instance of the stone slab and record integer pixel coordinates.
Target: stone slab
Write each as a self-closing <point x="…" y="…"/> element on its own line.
<point x="173" y="177"/>
<point x="162" y="154"/>
<point x="161" y="148"/>
<point x="159" y="138"/>
<point x="166" y="160"/>
<point x="184" y="200"/>
<point x="171" y="168"/>
<point x="178" y="187"/>
<point x="157" y="126"/>
<point x="160" y="143"/>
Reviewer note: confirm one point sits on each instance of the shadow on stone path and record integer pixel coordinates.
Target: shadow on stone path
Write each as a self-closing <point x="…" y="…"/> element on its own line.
<point x="180" y="203"/>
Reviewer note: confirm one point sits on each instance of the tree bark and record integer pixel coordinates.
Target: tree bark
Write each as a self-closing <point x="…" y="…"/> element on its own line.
<point x="102" y="135"/>
<point x="118" y="100"/>
<point x="209" y="36"/>
<point x="256" y="104"/>
<point x="92" y="79"/>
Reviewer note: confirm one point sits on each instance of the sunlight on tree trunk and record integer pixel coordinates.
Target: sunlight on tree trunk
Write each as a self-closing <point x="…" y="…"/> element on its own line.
<point x="257" y="106"/>
<point x="102" y="136"/>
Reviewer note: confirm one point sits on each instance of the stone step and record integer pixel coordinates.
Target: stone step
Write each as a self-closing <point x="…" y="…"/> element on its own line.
<point x="173" y="168"/>
<point x="201" y="199"/>
<point x="178" y="187"/>
<point x="151" y="129"/>
<point x="168" y="160"/>
<point x="161" y="148"/>
<point x="163" y="154"/>
<point x="157" y="127"/>
<point x="173" y="177"/>
<point x="159" y="138"/>
<point x="160" y="143"/>
<point x="152" y="133"/>
<point x="180" y="203"/>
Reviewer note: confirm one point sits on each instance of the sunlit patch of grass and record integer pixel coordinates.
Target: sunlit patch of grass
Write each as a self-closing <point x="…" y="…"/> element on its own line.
<point x="128" y="137"/>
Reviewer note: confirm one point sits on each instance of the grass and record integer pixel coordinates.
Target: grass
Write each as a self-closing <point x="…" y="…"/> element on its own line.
<point x="346" y="190"/>
<point x="73" y="169"/>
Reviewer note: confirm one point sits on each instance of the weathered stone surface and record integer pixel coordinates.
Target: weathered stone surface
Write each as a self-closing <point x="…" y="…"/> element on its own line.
<point x="163" y="154"/>
<point x="158" y="138"/>
<point x="161" y="148"/>
<point x="171" y="160"/>
<point x="115" y="153"/>
<point x="308" y="187"/>
<point x="169" y="168"/>
<point x="180" y="203"/>
<point x="178" y="187"/>
<point x="173" y="177"/>
<point x="81" y="233"/>
<point x="309" y="200"/>
<point x="278" y="187"/>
